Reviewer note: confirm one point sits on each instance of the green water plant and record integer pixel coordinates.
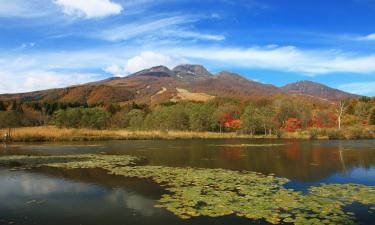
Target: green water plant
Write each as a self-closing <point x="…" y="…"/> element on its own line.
<point x="193" y="192"/>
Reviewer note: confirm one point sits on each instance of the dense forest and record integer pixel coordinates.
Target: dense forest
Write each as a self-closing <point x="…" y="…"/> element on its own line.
<point x="251" y="116"/>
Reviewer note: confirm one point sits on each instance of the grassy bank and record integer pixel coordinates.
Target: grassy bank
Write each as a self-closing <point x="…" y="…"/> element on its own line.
<point x="51" y="134"/>
<point x="54" y="134"/>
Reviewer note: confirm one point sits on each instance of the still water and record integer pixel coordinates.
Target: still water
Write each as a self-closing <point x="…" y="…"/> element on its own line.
<point x="60" y="196"/>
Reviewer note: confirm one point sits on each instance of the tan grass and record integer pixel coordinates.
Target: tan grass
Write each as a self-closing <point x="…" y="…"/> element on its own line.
<point x="51" y="133"/>
<point x="54" y="134"/>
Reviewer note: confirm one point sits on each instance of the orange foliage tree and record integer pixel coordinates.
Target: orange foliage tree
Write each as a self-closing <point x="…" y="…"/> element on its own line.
<point x="292" y="124"/>
<point x="233" y="124"/>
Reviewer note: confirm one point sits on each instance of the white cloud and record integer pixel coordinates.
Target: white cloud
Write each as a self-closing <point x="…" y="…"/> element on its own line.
<point x="26" y="45"/>
<point x="370" y="37"/>
<point x="287" y="59"/>
<point x="25" y="8"/>
<point x="168" y="27"/>
<point x="40" y="80"/>
<point x="36" y="72"/>
<point x="194" y="35"/>
<point x="22" y="72"/>
<point x="143" y="61"/>
<point x="89" y="8"/>
<point x="115" y="70"/>
<point x="361" y="88"/>
<point x="132" y="30"/>
<point x="148" y="59"/>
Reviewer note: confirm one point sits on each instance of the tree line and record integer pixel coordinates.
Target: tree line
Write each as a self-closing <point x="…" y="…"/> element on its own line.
<point x="253" y="116"/>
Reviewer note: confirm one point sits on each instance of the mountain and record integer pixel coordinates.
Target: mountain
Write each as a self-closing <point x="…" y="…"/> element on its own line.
<point x="187" y="71"/>
<point x="184" y="82"/>
<point x="309" y="88"/>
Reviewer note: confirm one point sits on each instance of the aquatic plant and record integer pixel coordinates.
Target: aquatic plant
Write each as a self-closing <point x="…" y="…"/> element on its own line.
<point x="193" y="192"/>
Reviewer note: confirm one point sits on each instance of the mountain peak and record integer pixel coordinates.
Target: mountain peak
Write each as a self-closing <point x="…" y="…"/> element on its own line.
<point x="306" y="87"/>
<point x="157" y="71"/>
<point x="191" y="70"/>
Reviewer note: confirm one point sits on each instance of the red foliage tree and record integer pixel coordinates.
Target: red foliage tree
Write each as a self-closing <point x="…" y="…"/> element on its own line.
<point x="233" y="124"/>
<point x="292" y="124"/>
<point x="327" y="120"/>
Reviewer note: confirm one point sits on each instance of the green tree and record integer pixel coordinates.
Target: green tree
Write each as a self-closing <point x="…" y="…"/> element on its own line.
<point x="251" y="119"/>
<point x="112" y="108"/>
<point x="372" y="117"/>
<point x="70" y="118"/>
<point x="96" y="118"/>
<point x="200" y="117"/>
<point x="177" y="118"/>
<point x="136" y="117"/>
<point x="285" y="109"/>
<point x="167" y="117"/>
<point x="266" y="117"/>
<point x="362" y="109"/>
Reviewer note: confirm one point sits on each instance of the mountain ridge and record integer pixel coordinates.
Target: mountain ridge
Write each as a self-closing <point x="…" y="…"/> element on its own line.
<point x="184" y="82"/>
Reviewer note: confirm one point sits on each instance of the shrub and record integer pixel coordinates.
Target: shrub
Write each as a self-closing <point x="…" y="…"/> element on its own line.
<point x="313" y="133"/>
<point x="358" y="133"/>
<point x="335" y="134"/>
<point x="279" y="133"/>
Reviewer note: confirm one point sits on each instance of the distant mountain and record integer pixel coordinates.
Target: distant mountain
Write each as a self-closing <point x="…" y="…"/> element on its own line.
<point x="184" y="82"/>
<point x="310" y="88"/>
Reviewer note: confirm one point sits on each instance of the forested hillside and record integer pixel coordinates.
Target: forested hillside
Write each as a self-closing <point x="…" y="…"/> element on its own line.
<point x="253" y="115"/>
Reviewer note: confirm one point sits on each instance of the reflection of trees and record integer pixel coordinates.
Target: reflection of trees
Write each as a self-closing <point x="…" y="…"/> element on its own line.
<point x="300" y="160"/>
<point x="341" y="154"/>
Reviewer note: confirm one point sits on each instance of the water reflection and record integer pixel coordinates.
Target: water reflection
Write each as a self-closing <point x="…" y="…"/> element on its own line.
<point x="138" y="203"/>
<point x="61" y="197"/>
<point x="305" y="161"/>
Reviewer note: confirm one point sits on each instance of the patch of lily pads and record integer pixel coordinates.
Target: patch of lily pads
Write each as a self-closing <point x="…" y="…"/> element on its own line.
<point x="193" y="192"/>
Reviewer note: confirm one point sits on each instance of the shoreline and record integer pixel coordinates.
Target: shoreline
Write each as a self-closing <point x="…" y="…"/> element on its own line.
<point x="54" y="134"/>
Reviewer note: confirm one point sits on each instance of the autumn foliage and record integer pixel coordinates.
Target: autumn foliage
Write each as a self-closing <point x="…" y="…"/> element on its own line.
<point x="292" y="124"/>
<point x="233" y="124"/>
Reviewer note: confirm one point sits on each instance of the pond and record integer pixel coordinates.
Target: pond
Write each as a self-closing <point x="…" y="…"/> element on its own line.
<point x="60" y="195"/>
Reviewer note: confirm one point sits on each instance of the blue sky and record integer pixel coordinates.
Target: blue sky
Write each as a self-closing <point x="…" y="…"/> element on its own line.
<point x="56" y="43"/>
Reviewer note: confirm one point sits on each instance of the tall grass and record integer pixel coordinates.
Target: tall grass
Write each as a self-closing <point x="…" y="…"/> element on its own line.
<point x="54" y="134"/>
<point x="51" y="134"/>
